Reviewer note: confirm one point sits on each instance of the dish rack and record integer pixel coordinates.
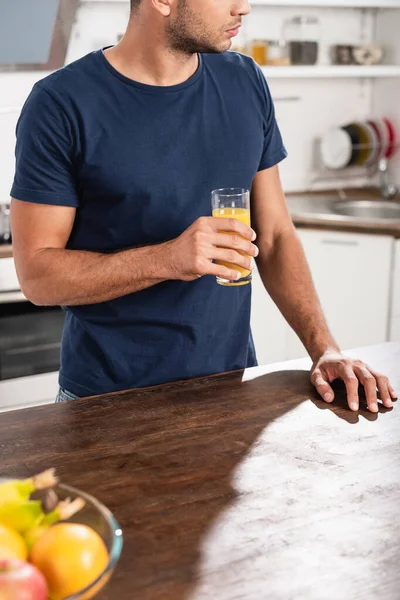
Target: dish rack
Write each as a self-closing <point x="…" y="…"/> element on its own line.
<point x="322" y="173"/>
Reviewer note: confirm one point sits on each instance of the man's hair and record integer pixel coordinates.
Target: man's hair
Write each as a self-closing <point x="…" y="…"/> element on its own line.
<point x="135" y="5"/>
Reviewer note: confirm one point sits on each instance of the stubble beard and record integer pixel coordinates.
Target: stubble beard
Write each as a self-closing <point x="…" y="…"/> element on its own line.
<point x="182" y="40"/>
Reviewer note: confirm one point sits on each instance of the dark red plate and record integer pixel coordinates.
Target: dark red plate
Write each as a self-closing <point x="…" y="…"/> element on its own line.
<point x="392" y="138"/>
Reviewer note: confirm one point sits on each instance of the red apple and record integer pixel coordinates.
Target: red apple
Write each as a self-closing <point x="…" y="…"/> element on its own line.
<point x="21" y="581"/>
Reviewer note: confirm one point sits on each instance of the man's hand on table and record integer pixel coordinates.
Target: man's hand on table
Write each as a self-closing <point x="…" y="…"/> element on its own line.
<point x="333" y="365"/>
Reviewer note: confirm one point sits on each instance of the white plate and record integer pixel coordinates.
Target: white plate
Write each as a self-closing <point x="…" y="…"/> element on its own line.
<point x="336" y="149"/>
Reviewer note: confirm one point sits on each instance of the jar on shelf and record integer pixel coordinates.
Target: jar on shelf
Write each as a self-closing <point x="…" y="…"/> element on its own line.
<point x="303" y="36"/>
<point x="278" y="53"/>
<point x="241" y="49"/>
<point x="259" y="51"/>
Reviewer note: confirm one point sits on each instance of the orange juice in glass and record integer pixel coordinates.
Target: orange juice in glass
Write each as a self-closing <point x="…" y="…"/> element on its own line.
<point x="232" y="203"/>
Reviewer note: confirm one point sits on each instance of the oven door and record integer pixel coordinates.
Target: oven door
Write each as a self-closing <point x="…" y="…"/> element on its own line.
<point x="30" y="339"/>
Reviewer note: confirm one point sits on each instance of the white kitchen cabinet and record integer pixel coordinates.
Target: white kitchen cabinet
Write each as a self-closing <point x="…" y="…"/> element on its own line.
<point x="268" y="326"/>
<point x="395" y="330"/>
<point x="395" y="304"/>
<point x="8" y="276"/>
<point x="29" y="391"/>
<point x="396" y="281"/>
<point x="352" y="275"/>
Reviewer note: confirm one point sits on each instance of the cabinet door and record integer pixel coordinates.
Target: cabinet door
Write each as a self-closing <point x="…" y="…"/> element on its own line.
<point x="268" y="326"/>
<point x="395" y="304"/>
<point x="396" y="282"/>
<point x="8" y="275"/>
<point x="352" y="275"/>
<point x="395" y="330"/>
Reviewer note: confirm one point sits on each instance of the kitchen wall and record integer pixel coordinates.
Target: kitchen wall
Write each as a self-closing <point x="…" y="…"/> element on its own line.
<point x="305" y="108"/>
<point x="386" y="94"/>
<point x="14" y="88"/>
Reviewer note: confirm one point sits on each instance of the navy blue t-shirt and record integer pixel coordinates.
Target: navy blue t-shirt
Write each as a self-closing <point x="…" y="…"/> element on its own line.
<point x="139" y="163"/>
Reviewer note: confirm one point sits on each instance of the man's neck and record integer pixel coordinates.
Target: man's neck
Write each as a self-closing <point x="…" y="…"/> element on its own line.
<point x="147" y="59"/>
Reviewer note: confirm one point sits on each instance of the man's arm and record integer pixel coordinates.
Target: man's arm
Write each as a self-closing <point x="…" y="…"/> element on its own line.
<point x="286" y="276"/>
<point x="50" y="274"/>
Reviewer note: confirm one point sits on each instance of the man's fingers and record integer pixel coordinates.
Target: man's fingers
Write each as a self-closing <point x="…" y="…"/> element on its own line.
<point x="386" y="391"/>
<point x="223" y="272"/>
<point x="351" y="383"/>
<point x="233" y="258"/>
<point x="322" y="386"/>
<point x="234" y="241"/>
<point x="353" y="372"/>
<point x="369" y="383"/>
<point x="235" y="226"/>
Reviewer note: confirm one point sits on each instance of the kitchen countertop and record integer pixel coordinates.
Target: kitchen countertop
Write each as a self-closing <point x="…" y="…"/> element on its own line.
<point x="238" y="486"/>
<point x="6" y="251"/>
<point x="314" y="210"/>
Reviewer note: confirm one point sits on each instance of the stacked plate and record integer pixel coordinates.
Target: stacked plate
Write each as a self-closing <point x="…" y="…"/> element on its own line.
<point x="362" y="143"/>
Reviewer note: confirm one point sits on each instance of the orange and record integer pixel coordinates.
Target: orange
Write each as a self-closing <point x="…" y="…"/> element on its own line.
<point x="70" y="556"/>
<point x="12" y="545"/>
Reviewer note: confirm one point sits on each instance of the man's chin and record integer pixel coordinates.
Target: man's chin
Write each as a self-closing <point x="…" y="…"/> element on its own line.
<point x="220" y="49"/>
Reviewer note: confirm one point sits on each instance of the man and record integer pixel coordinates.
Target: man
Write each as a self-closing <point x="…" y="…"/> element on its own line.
<point x="117" y="155"/>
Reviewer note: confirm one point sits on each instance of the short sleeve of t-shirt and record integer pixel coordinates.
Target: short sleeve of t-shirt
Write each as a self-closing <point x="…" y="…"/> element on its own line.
<point x="44" y="153"/>
<point x="274" y="150"/>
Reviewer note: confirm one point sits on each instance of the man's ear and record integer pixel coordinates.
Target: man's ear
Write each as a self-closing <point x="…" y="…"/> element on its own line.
<point x="164" y="7"/>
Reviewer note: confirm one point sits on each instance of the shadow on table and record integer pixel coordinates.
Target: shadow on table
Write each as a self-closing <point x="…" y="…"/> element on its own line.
<point x="181" y="479"/>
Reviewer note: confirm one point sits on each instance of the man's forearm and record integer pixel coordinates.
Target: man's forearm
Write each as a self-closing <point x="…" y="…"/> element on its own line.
<point x="73" y="277"/>
<point x="287" y="278"/>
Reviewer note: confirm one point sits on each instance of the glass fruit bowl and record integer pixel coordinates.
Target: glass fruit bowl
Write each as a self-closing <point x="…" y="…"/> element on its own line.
<point x="97" y="516"/>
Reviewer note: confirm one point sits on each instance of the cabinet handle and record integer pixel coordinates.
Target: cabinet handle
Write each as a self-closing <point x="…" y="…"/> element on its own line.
<point x="286" y="99"/>
<point x="340" y="242"/>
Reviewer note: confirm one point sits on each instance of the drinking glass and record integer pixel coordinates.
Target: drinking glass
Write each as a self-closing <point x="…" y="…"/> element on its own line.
<point x="228" y="203"/>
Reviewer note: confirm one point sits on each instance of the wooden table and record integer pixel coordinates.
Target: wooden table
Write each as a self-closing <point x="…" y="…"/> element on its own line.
<point x="240" y="486"/>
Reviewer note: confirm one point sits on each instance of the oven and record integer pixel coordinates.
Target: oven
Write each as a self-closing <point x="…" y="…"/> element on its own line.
<point x="30" y="338"/>
<point x="30" y="341"/>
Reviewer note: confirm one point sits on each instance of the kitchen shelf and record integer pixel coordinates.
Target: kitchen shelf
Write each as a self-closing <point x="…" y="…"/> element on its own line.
<point x="330" y="3"/>
<point x="294" y="3"/>
<point x="331" y="71"/>
<point x="126" y="2"/>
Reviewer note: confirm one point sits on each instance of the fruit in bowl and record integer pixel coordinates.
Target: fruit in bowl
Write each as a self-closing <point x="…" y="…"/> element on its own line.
<point x="73" y="543"/>
<point x="12" y="544"/>
<point x="20" y="580"/>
